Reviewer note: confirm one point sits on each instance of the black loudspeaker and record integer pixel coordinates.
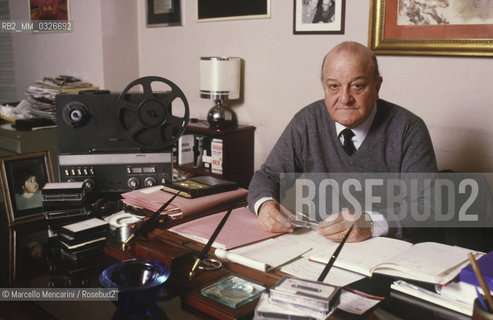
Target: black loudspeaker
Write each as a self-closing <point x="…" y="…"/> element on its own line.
<point x="119" y="142"/>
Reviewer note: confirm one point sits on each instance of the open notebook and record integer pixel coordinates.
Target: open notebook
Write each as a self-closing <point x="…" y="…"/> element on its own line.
<point x="428" y="261"/>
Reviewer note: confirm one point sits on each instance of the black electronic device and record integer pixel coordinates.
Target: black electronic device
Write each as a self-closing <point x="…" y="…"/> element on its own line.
<point x="120" y="142"/>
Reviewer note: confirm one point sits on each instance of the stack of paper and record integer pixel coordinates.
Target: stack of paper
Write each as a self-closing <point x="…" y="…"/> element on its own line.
<point x="240" y="229"/>
<point x="154" y="197"/>
<point x="83" y="239"/>
<point x="41" y="94"/>
<point x="432" y="297"/>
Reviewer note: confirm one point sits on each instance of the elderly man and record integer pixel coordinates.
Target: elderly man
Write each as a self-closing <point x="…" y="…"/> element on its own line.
<point x="351" y="130"/>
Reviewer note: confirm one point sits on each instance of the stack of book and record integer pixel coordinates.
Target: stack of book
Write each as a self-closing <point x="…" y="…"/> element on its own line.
<point x="63" y="203"/>
<point x="41" y="94"/>
<point x="83" y="240"/>
<point x="293" y="298"/>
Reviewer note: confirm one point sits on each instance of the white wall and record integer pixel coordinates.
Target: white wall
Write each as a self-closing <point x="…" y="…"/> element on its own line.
<point x="78" y="53"/>
<point x="102" y="48"/>
<point x="452" y="94"/>
<point x="119" y="38"/>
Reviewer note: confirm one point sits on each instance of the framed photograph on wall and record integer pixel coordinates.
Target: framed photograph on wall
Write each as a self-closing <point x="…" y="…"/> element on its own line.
<point x="319" y="16"/>
<point x="439" y="27"/>
<point x="217" y="10"/>
<point x="162" y="13"/>
<point x="23" y="176"/>
<point x="56" y="10"/>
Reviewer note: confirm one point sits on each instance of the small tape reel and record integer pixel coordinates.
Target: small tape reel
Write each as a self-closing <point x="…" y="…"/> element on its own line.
<point x="149" y="121"/>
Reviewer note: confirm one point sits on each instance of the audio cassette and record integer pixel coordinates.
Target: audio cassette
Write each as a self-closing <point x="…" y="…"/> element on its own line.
<point x="119" y="142"/>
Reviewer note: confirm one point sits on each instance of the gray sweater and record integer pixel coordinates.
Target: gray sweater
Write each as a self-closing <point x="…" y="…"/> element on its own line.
<point x="398" y="141"/>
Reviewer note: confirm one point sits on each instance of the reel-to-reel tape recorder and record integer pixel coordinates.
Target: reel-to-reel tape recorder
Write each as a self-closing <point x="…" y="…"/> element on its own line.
<point x="120" y="142"/>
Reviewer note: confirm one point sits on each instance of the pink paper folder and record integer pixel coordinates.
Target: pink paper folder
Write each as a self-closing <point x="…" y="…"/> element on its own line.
<point x="154" y="197"/>
<point x="240" y="229"/>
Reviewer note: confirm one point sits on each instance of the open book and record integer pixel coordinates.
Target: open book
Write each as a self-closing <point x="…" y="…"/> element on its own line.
<point x="427" y="261"/>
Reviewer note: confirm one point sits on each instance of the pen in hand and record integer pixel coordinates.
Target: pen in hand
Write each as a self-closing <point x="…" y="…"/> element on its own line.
<point x="334" y="256"/>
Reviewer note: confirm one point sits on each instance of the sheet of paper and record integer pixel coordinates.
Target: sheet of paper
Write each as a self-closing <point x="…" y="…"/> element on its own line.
<point x="432" y="297"/>
<point x="443" y="257"/>
<point x="361" y="257"/>
<point x="241" y="228"/>
<point x="272" y="252"/>
<point x="306" y="269"/>
<point x="356" y="304"/>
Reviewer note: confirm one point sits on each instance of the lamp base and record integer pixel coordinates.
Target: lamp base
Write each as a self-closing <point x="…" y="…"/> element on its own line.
<point x="221" y="117"/>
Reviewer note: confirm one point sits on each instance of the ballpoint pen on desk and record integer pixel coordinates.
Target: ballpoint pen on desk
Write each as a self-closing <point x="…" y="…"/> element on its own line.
<point x="480" y="277"/>
<point x="334" y="256"/>
<point x="207" y="247"/>
<point x="148" y="225"/>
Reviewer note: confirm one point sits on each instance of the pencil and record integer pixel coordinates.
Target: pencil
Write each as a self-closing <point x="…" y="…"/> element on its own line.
<point x="479" y="275"/>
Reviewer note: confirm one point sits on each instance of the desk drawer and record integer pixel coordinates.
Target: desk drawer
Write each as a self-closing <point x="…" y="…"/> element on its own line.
<point x="10" y="144"/>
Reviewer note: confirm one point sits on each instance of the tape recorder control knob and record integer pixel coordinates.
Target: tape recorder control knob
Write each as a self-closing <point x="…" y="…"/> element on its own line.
<point x="133" y="183"/>
<point x="149" y="182"/>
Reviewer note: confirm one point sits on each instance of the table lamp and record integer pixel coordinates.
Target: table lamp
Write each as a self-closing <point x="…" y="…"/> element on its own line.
<point x="219" y="81"/>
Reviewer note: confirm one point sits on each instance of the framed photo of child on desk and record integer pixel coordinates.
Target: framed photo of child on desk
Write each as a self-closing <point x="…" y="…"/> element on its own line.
<point x="23" y="176"/>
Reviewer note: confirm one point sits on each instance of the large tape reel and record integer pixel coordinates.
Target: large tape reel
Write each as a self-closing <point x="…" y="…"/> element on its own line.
<point x="151" y="122"/>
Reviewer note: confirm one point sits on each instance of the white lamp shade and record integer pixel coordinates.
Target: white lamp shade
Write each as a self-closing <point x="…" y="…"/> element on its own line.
<point x="220" y="78"/>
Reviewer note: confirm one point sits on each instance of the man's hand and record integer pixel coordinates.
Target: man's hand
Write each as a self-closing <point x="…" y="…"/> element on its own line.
<point x="273" y="217"/>
<point x="337" y="225"/>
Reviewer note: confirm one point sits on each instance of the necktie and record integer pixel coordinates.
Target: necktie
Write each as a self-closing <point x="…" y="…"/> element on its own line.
<point x="347" y="144"/>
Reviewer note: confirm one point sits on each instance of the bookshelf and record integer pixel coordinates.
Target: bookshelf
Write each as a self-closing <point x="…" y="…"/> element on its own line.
<point x="238" y="152"/>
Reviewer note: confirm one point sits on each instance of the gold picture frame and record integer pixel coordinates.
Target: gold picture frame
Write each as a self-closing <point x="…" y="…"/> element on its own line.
<point x="396" y="28"/>
<point x="19" y="173"/>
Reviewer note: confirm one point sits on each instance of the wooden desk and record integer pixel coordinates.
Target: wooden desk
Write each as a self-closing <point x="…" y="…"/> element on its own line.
<point x="181" y="298"/>
<point x="164" y="244"/>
